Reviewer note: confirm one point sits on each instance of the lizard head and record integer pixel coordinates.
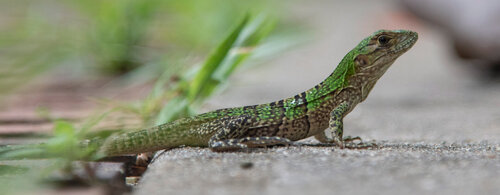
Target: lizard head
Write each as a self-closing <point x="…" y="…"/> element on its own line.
<point x="377" y="52"/>
<point x="366" y="63"/>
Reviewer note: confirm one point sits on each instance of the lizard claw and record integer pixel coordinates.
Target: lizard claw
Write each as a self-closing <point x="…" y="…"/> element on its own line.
<point x="348" y="142"/>
<point x="361" y="145"/>
<point x="340" y="144"/>
<point x="351" y="139"/>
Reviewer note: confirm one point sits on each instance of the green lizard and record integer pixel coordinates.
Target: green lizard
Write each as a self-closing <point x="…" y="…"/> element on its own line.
<point x="307" y="114"/>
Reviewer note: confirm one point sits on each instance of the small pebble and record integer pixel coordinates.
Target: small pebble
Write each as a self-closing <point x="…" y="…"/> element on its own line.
<point x="246" y="165"/>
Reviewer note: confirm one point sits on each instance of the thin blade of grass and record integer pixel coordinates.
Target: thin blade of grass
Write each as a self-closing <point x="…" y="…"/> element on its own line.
<point x="174" y="109"/>
<point x="250" y="37"/>
<point x="230" y="54"/>
<point x="215" y="59"/>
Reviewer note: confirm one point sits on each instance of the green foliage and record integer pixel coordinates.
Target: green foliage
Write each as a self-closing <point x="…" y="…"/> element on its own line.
<point x="217" y="68"/>
<point x="115" y="37"/>
<point x="204" y="76"/>
<point x="183" y="96"/>
<point x="110" y="36"/>
<point x="64" y="148"/>
<point x="66" y="144"/>
<point x="175" y="96"/>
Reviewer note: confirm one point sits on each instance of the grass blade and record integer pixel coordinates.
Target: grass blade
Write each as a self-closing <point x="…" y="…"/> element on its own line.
<point x="214" y="61"/>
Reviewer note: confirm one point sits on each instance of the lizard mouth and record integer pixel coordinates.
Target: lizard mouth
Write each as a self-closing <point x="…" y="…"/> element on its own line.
<point x="406" y="42"/>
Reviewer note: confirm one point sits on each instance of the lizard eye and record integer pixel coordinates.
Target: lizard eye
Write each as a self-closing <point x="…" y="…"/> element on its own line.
<point x="383" y="40"/>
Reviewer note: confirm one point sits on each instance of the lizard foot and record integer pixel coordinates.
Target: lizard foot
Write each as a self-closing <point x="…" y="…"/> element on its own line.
<point x="354" y="143"/>
<point x="361" y="145"/>
<point x="351" y="139"/>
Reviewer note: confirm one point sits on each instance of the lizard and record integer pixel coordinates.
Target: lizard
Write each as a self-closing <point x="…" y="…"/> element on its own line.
<point x="317" y="112"/>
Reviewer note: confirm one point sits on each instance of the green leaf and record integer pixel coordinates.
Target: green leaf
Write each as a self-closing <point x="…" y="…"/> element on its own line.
<point x="63" y="128"/>
<point x="200" y="83"/>
<point x="31" y="152"/>
<point x="175" y="108"/>
<point x="250" y="37"/>
<point x="214" y="61"/>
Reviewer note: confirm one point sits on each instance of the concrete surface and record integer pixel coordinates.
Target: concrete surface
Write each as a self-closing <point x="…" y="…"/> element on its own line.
<point x="439" y="126"/>
<point x="398" y="168"/>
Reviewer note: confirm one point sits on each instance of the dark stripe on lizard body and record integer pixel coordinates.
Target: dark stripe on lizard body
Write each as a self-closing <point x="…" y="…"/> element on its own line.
<point x="308" y="123"/>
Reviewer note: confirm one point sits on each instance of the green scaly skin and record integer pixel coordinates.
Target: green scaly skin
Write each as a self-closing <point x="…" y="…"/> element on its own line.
<point x="307" y="114"/>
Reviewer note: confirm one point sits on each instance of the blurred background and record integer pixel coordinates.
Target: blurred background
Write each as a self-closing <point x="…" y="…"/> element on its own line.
<point x="148" y="62"/>
<point x="64" y="59"/>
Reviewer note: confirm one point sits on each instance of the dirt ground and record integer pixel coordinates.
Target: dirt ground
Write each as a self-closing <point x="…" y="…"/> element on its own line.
<point x="438" y="125"/>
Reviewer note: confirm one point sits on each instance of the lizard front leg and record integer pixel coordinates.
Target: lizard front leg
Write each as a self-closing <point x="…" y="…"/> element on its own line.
<point x="336" y="130"/>
<point x="231" y="136"/>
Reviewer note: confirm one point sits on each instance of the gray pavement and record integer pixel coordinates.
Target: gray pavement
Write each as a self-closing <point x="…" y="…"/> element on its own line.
<point x="439" y="126"/>
<point x="398" y="168"/>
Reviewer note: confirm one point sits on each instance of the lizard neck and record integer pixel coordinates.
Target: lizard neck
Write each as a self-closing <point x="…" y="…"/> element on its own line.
<point x="320" y="97"/>
<point x="335" y="82"/>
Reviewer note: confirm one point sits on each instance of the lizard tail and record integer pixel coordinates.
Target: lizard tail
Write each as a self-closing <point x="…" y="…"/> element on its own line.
<point x="160" y="137"/>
